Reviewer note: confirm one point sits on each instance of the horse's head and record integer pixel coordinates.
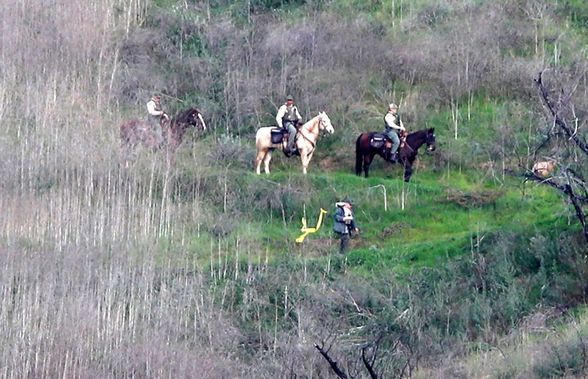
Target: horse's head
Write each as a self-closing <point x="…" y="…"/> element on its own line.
<point x="325" y="123"/>
<point x="190" y="117"/>
<point x="430" y="140"/>
<point x="197" y="120"/>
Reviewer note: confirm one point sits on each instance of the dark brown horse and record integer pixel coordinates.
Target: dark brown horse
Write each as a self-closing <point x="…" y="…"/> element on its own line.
<point x="136" y="131"/>
<point x="365" y="150"/>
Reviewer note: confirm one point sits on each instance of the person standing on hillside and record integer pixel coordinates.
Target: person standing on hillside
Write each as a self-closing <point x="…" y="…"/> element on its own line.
<point x="288" y="118"/>
<point x="156" y="116"/>
<point x="393" y="125"/>
<point x="344" y="223"/>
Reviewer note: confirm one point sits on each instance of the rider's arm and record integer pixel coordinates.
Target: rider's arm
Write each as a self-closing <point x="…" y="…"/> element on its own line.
<point x="352" y="225"/>
<point x="298" y="114"/>
<point x="151" y="109"/>
<point x="280" y="115"/>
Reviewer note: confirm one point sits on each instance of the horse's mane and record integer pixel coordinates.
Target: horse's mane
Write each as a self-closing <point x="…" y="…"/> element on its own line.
<point x="420" y="133"/>
<point x="185" y="116"/>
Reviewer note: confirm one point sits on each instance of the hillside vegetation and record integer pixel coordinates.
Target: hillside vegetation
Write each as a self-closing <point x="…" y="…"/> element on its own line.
<point x="190" y="269"/>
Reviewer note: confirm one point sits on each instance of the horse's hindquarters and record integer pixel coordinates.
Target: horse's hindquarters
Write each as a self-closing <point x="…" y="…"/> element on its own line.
<point x="264" y="139"/>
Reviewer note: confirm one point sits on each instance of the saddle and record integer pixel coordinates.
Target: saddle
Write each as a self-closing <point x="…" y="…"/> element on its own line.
<point x="379" y="141"/>
<point x="278" y="134"/>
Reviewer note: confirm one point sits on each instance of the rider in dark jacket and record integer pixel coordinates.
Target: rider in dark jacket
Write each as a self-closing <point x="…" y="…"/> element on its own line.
<point x="344" y="223"/>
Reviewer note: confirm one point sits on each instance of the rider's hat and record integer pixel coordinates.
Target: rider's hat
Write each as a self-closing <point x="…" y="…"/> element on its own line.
<point x="393" y="106"/>
<point x="289" y="98"/>
<point x="156" y="97"/>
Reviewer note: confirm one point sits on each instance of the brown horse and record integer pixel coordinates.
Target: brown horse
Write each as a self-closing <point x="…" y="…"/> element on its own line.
<point x="136" y="131"/>
<point x="365" y="151"/>
<point x="305" y="142"/>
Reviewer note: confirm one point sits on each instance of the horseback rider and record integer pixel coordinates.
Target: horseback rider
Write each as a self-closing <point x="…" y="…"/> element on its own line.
<point x="156" y="116"/>
<point x="288" y="118"/>
<point x="393" y="126"/>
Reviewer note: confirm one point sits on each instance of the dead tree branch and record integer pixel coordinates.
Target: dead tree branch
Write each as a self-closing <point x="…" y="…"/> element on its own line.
<point x="557" y="119"/>
<point x="334" y="365"/>
<point x="565" y="188"/>
<point x="369" y="362"/>
<point x="571" y="183"/>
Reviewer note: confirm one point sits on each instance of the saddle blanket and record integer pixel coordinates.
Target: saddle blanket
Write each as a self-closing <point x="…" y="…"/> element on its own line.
<point x="378" y="140"/>
<point x="277" y="135"/>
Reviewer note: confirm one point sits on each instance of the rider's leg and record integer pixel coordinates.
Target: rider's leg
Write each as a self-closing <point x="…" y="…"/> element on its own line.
<point x="395" y="143"/>
<point x="155" y="124"/>
<point x="291" y="137"/>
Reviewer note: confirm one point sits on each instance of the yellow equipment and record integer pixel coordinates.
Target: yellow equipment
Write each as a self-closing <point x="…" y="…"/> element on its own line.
<point x="306" y="230"/>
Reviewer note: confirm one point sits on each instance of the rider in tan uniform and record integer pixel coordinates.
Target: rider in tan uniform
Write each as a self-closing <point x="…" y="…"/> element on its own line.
<point x="393" y="126"/>
<point x="288" y="118"/>
<point x="155" y="115"/>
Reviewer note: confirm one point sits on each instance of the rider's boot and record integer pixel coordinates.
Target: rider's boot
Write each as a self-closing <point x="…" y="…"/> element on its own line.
<point x="290" y="148"/>
<point x="286" y="149"/>
<point x="393" y="158"/>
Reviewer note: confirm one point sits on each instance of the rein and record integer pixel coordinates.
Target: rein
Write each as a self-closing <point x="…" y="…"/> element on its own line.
<point x="407" y="145"/>
<point x="313" y="143"/>
<point x="410" y="147"/>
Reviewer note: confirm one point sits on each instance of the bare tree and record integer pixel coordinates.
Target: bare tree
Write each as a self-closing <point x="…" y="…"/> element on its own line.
<point x="571" y="148"/>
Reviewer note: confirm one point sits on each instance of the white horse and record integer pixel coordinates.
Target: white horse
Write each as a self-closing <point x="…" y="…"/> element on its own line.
<point x="305" y="141"/>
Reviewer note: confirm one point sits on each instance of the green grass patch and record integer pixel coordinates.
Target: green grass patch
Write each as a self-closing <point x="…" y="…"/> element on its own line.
<point x="420" y="224"/>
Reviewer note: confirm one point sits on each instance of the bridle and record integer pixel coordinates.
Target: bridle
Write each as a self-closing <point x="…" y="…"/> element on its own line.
<point x="197" y="119"/>
<point x="322" y="126"/>
<point x="323" y="123"/>
<point x="430" y="142"/>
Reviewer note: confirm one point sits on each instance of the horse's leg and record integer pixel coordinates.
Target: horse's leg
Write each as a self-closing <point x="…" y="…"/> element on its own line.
<point x="358" y="157"/>
<point x="266" y="161"/>
<point x="123" y="154"/>
<point x="367" y="161"/>
<point x="127" y="152"/>
<point x="305" y="158"/>
<point x="258" y="159"/>
<point x="407" y="171"/>
<point x="170" y="156"/>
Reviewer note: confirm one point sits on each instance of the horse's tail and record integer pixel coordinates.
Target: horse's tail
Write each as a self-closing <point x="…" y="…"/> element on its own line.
<point x="358" y="155"/>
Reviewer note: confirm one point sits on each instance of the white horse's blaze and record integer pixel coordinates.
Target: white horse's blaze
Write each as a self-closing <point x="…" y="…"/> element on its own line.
<point x="309" y="133"/>
<point x="202" y="121"/>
